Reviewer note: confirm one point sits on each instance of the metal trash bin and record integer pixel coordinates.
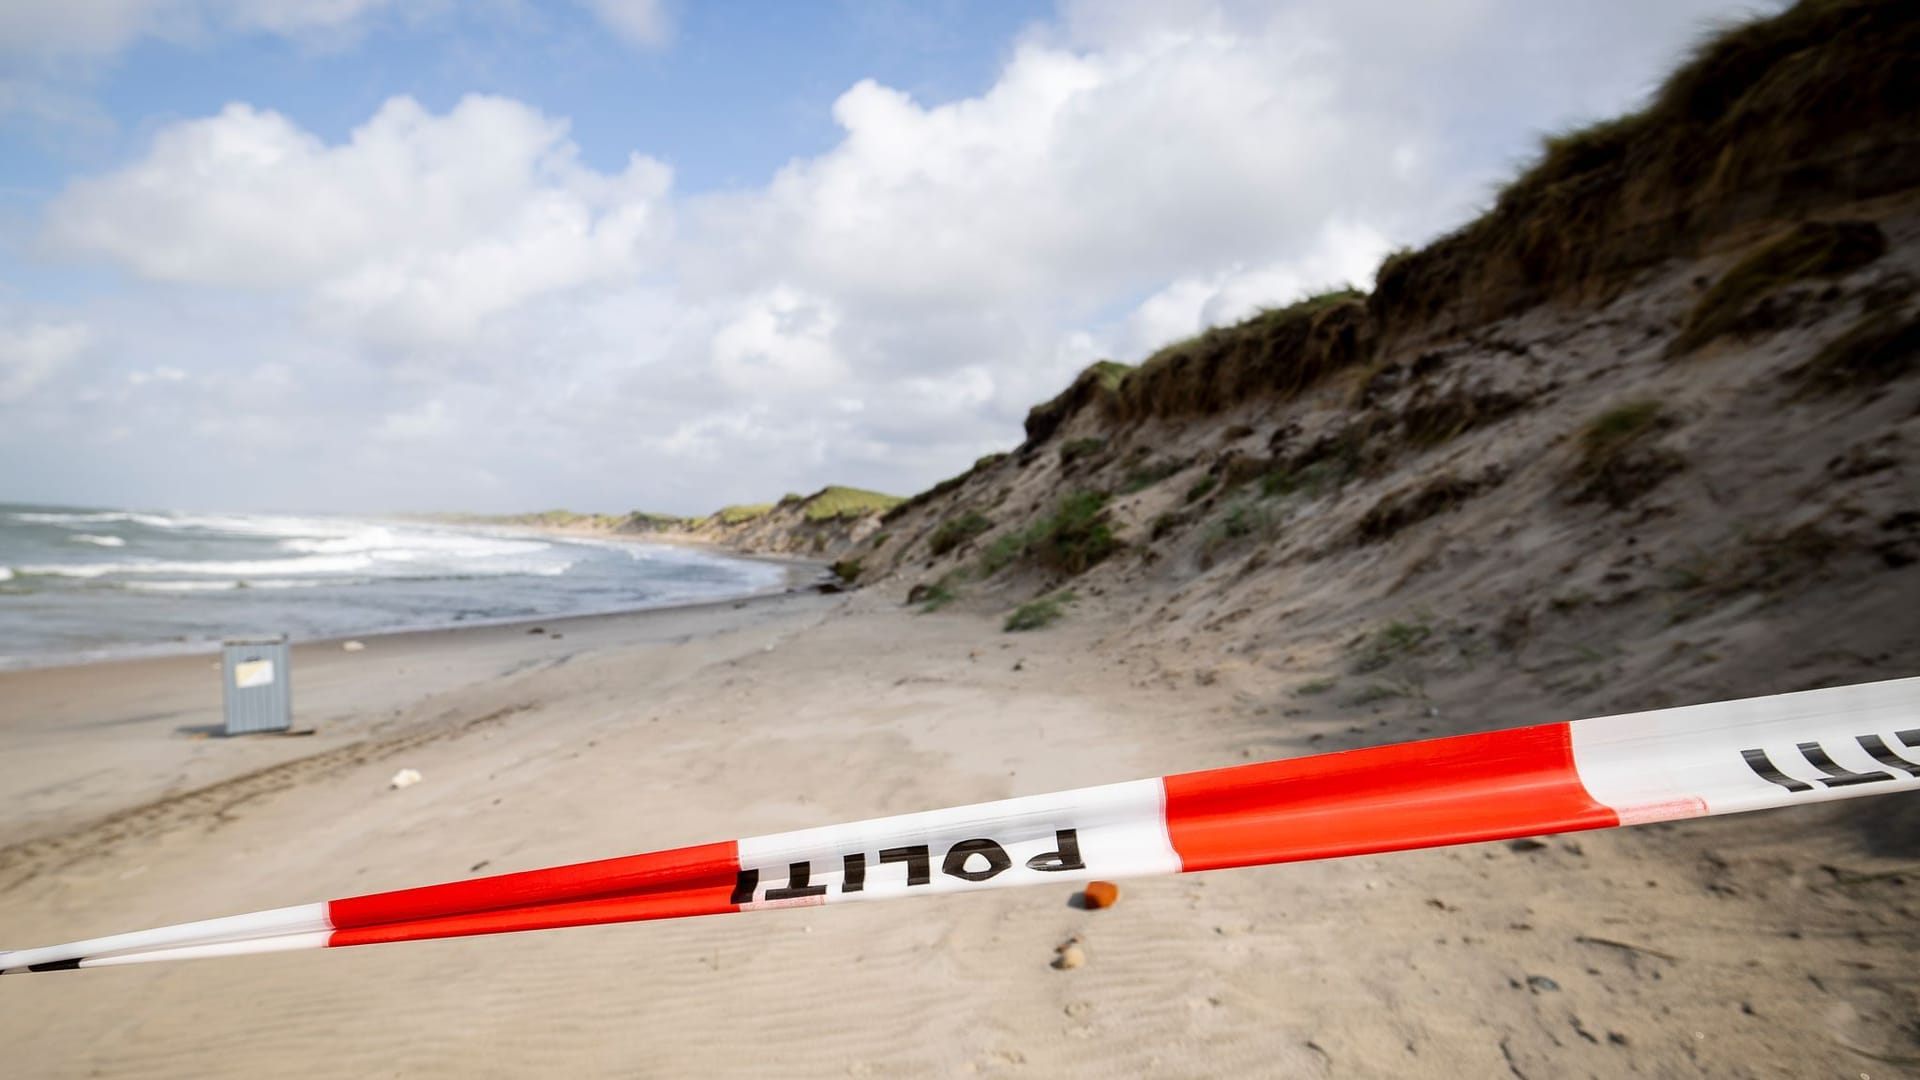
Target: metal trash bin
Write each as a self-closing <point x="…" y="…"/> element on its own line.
<point x="259" y="684"/>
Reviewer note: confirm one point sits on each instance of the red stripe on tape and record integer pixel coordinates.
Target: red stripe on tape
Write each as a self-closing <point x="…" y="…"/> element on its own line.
<point x="1457" y="790"/>
<point x="700" y="899"/>
<point x="701" y="878"/>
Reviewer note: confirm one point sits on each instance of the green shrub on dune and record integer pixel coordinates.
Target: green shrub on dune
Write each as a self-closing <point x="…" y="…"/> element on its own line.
<point x="745" y="512"/>
<point x="1039" y="613"/>
<point x="836" y="502"/>
<point x="957" y="530"/>
<point x="1073" y="539"/>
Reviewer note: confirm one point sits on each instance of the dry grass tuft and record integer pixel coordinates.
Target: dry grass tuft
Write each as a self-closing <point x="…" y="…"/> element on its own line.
<point x="1617" y="462"/>
<point x="1396" y="512"/>
<point x="1277" y="353"/>
<point x="1098" y="380"/>
<point x="1428" y="422"/>
<point x="1039" y="613"/>
<point x="1811" y="249"/>
<point x="1770" y="563"/>
<point x="956" y="531"/>
<point x="1879" y="348"/>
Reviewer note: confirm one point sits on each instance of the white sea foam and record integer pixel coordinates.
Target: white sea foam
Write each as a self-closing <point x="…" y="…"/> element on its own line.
<point x="247" y="525"/>
<point x="308" y="564"/>
<point x="257" y="583"/>
<point x="68" y="519"/>
<point x="407" y="545"/>
<point x="178" y="573"/>
<point x="312" y="564"/>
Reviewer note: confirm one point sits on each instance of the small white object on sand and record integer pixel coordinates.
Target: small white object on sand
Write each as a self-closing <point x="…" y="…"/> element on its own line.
<point x="352" y="646"/>
<point x="405" y="778"/>
<point x="1069" y="954"/>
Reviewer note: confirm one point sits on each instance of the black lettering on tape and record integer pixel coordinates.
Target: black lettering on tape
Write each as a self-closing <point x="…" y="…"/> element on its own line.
<point x="853" y="877"/>
<point x="919" y="864"/>
<point x="1763" y="767"/>
<point x="1835" y="775"/>
<point x="743" y="885"/>
<point x="797" y="888"/>
<point x="957" y="856"/>
<point x="1884" y="754"/>
<point x="1066" y="858"/>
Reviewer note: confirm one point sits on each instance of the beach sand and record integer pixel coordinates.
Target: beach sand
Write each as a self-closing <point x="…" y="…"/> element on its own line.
<point x="1768" y="945"/>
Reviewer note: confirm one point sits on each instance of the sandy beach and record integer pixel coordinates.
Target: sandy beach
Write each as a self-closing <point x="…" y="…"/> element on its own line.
<point x="1766" y="945"/>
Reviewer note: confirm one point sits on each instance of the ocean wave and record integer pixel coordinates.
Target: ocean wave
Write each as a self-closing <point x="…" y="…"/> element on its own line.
<point x="314" y="564"/>
<point x="235" y="583"/>
<point x="245" y="525"/>
<point x="96" y="540"/>
<point x="6" y="573"/>
<point x="37" y="518"/>
<point x="406" y="545"/>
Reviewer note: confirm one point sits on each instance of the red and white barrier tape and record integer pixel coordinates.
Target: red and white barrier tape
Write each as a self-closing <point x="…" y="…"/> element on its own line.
<point x="1588" y="774"/>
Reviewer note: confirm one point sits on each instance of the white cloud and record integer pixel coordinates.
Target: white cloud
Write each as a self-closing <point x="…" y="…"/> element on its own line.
<point x="417" y="228"/>
<point x="1075" y="175"/>
<point x="780" y="340"/>
<point x="31" y="353"/>
<point x="644" y="23"/>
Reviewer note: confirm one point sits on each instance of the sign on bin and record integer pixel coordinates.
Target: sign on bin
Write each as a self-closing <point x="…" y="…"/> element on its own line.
<point x="257" y="688"/>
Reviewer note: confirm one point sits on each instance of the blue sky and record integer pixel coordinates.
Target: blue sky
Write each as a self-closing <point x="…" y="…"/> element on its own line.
<point x="565" y="62"/>
<point x="611" y="254"/>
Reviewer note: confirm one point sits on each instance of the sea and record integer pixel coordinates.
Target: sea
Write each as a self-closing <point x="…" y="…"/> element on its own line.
<point x="82" y="584"/>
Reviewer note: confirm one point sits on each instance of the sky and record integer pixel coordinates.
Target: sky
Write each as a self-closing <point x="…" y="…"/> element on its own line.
<point x="504" y="255"/>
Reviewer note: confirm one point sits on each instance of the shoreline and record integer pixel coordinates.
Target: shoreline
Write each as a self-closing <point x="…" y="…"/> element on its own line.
<point x="800" y="575"/>
<point x="159" y="718"/>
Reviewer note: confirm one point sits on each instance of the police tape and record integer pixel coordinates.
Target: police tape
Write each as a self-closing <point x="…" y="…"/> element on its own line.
<point x="1721" y="758"/>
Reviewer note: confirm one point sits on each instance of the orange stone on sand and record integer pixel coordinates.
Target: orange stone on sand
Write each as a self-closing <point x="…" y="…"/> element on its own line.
<point x="1101" y="894"/>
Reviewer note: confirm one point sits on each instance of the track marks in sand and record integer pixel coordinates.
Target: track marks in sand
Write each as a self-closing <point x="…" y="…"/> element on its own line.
<point x="216" y="804"/>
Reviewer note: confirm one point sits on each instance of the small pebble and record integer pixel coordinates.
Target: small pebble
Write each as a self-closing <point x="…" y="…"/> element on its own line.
<point x="352" y="646"/>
